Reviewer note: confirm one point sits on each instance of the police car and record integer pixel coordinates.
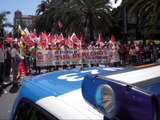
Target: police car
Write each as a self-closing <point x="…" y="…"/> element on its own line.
<point x="90" y="93"/>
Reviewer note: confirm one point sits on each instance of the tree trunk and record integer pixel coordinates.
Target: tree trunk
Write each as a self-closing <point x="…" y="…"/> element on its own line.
<point x="91" y="29"/>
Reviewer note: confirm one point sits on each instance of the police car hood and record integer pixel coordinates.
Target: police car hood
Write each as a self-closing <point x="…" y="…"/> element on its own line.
<point x="60" y="92"/>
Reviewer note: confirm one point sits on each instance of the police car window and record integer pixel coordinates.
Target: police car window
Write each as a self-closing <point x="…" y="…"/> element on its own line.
<point x="27" y="111"/>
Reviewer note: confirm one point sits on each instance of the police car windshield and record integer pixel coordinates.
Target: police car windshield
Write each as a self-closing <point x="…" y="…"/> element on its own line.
<point x="150" y="85"/>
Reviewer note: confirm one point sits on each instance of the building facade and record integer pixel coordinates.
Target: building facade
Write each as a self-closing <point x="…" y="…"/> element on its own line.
<point x="25" y="19"/>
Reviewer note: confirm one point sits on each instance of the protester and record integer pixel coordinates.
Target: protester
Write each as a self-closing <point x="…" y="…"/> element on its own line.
<point x="16" y="58"/>
<point x="115" y="52"/>
<point x="92" y="48"/>
<point x="84" y="47"/>
<point x="154" y="54"/>
<point x="22" y="51"/>
<point x="139" y="53"/>
<point x="106" y="49"/>
<point x="49" y="68"/>
<point x="1" y="62"/>
<point x="7" y="49"/>
<point x="115" y="60"/>
<point x="75" y="47"/>
<point x="28" y="59"/>
<point x="132" y="52"/>
<point x="65" y="48"/>
<point x="122" y="53"/>
<point x="57" y="47"/>
<point x="33" y="53"/>
<point x="98" y="47"/>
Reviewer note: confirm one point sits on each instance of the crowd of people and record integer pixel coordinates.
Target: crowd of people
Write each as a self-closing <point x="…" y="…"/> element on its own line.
<point x="120" y="54"/>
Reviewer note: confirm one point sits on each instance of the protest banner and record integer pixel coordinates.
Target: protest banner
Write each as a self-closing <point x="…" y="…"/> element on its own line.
<point x="60" y="57"/>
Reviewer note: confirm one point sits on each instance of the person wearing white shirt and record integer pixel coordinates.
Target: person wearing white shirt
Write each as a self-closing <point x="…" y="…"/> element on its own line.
<point x="1" y="62"/>
<point x="15" y="63"/>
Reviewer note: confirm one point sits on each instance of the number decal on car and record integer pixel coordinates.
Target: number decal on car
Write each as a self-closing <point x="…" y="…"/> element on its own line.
<point x="112" y="69"/>
<point x="90" y="71"/>
<point x="70" y="77"/>
<point x="75" y="77"/>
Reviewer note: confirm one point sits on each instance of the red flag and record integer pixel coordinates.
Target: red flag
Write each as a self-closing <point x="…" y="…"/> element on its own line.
<point x="62" y="42"/>
<point x="32" y="34"/>
<point x="82" y="38"/>
<point x="22" y="68"/>
<point x="30" y="42"/>
<point x="60" y="25"/>
<point x="100" y="41"/>
<point x="26" y="38"/>
<point x="51" y="38"/>
<point x="79" y="44"/>
<point x="113" y="40"/>
<point x="68" y="42"/>
<point x="43" y="40"/>
<point x="10" y="39"/>
<point x="60" y="37"/>
<point x="74" y="38"/>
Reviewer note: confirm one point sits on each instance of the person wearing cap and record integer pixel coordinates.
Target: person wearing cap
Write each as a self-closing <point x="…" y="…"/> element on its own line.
<point x="1" y="62"/>
<point x="15" y="63"/>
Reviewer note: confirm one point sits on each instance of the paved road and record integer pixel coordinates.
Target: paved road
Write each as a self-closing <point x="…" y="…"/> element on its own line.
<point x="8" y="94"/>
<point x="7" y="97"/>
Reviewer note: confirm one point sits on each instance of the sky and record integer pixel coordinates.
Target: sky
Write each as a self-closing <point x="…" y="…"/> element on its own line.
<point x="27" y="7"/>
<point x="117" y="4"/>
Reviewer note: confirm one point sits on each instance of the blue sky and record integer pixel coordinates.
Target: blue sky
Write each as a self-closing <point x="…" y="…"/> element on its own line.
<point x="27" y="7"/>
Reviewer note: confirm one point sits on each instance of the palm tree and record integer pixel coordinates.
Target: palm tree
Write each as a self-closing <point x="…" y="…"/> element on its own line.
<point x="4" y="23"/>
<point x="3" y="20"/>
<point x="118" y="20"/>
<point x="148" y="13"/>
<point x="45" y="14"/>
<point x="42" y="7"/>
<point x="86" y="16"/>
<point x="80" y="16"/>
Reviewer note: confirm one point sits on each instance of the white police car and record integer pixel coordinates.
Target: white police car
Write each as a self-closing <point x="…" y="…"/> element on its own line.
<point x="58" y="95"/>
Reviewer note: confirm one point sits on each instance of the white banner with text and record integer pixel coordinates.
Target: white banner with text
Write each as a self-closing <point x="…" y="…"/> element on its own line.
<point x="68" y="57"/>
